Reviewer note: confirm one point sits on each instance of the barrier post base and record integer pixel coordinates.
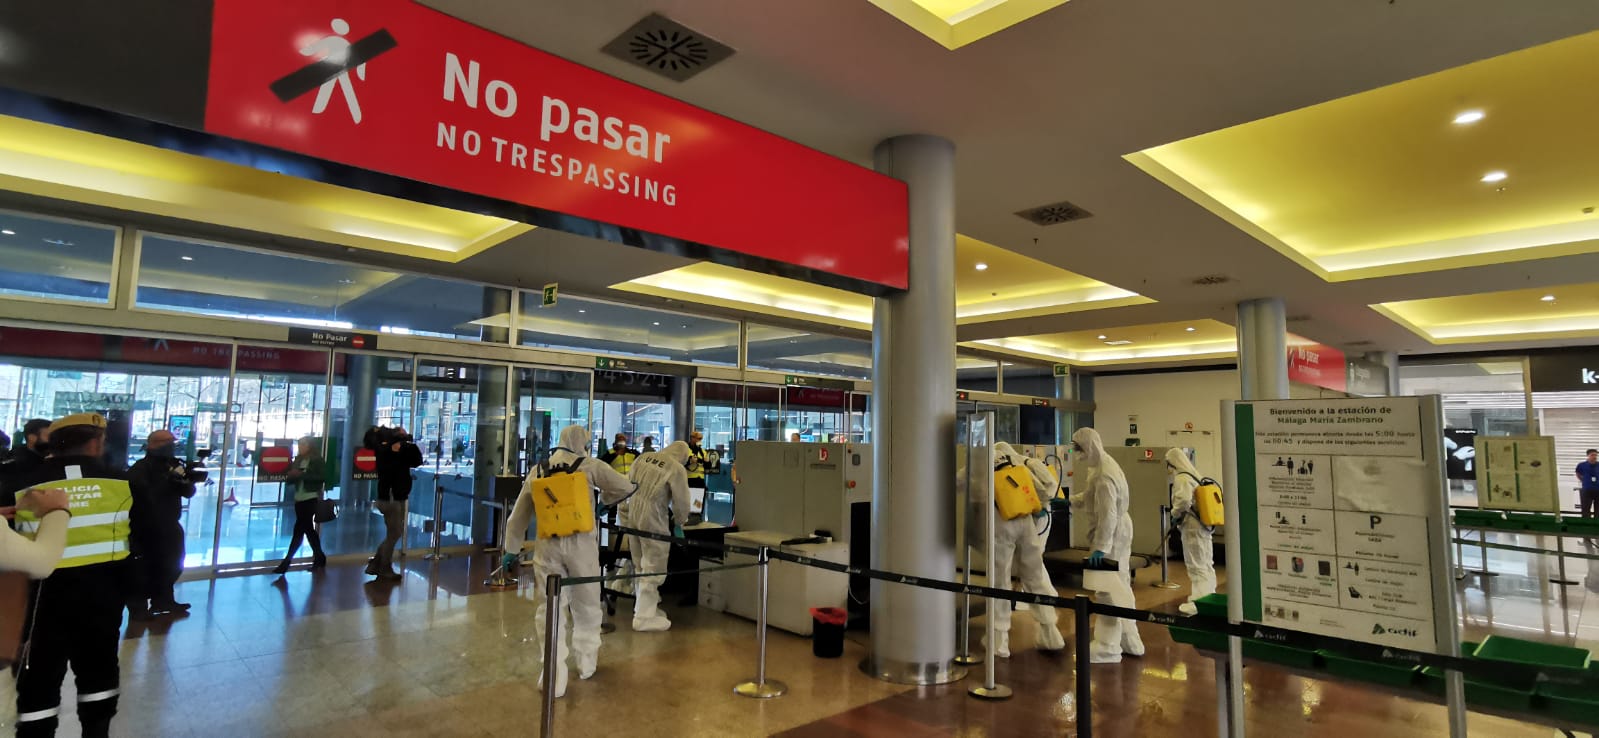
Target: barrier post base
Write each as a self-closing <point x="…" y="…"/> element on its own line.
<point x="1166" y="585"/>
<point x="968" y="660"/>
<point x="996" y="692"/>
<point x="761" y="690"/>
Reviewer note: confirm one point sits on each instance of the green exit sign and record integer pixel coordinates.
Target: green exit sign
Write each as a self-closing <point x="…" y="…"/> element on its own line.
<point x="1062" y="370"/>
<point x="550" y="291"/>
<point x="601" y="362"/>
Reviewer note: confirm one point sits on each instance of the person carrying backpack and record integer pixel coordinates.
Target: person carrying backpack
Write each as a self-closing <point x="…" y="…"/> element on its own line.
<point x="567" y="544"/>
<point x="1199" y="553"/>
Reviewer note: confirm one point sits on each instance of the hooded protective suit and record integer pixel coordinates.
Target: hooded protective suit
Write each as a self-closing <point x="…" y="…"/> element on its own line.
<point x="1018" y="541"/>
<point x="1198" y="550"/>
<point x="1110" y="532"/>
<point x="569" y="556"/>
<point x="663" y="498"/>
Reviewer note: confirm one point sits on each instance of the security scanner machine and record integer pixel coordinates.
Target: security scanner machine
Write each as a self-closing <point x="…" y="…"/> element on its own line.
<point x="1148" y="490"/>
<point x="808" y="498"/>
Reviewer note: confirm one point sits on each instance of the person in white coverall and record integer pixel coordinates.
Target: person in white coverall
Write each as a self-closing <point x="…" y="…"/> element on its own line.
<point x="577" y="555"/>
<point x="1104" y="499"/>
<point x="663" y="498"/>
<point x="1018" y="540"/>
<point x="1199" y="554"/>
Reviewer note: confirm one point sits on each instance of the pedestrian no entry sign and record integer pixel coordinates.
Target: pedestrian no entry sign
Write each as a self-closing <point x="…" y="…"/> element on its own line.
<point x="550" y="291"/>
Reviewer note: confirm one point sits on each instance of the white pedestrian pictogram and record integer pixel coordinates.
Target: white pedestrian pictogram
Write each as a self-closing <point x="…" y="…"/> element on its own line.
<point x="336" y="49"/>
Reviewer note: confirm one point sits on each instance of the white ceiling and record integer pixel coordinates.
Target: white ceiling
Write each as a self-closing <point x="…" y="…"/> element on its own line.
<point x="1045" y="111"/>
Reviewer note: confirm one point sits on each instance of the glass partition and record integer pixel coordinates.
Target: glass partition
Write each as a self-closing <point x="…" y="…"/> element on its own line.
<point x="816" y="414"/>
<point x="232" y="282"/>
<point x="460" y="425"/>
<point x="790" y="350"/>
<point x="976" y="374"/>
<point x="369" y="390"/>
<point x="1486" y="397"/>
<point x="56" y="259"/>
<point x="548" y="400"/>
<point x="581" y="324"/>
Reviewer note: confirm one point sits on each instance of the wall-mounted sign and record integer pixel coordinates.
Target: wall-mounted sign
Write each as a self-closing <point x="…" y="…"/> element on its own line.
<point x="336" y="339"/>
<point x="794" y="380"/>
<point x="1366" y="378"/>
<point x="1564" y="371"/>
<point x="1318" y="366"/>
<point x="547" y="299"/>
<point x="606" y="363"/>
<point x="1041" y="403"/>
<point x="272" y="463"/>
<point x="365" y="466"/>
<point x="962" y="396"/>
<point x="1063" y="370"/>
<point x="396" y="87"/>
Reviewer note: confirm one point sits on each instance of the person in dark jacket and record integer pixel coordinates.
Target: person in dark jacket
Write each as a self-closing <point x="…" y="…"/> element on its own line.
<point x="160" y="482"/>
<point x="397" y="456"/>
<point x="24" y="461"/>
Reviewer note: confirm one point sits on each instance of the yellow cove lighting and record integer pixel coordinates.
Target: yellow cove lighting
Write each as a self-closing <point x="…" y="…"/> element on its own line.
<point x="67" y="164"/>
<point x="1571" y="311"/>
<point x="955" y="23"/>
<point x="1481" y="164"/>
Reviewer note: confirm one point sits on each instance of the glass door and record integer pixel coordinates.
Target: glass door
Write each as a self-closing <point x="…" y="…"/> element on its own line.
<point x="637" y="404"/>
<point x="280" y="395"/>
<point x="460" y="425"/>
<point x="548" y="400"/>
<point x="369" y="390"/>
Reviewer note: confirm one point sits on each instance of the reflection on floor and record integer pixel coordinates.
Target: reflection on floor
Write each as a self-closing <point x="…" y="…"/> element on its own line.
<point x="333" y="654"/>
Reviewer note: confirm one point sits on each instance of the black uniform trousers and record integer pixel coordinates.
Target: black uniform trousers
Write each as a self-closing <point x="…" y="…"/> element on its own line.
<point x="159" y="552"/>
<point x="77" y="623"/>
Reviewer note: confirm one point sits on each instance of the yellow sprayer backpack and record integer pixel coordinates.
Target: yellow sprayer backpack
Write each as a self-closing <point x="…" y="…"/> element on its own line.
<point x="562" y="502"/>
<point x="1209" y="505"/>
<point x="1013" y="491"/>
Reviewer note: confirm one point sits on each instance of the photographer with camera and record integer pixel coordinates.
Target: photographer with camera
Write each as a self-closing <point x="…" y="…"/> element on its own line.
<point x="397" y="455"/>
<point x="160" y="482"/>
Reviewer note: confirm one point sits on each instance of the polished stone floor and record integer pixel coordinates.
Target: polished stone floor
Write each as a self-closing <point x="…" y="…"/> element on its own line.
<point x="330" y="653"/>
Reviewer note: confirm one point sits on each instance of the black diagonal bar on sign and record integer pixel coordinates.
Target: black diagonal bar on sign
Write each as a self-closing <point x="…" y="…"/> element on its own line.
<point x="315" y="74"/>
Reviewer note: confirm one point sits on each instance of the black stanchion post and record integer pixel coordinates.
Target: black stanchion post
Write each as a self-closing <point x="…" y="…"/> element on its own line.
<point x="1085" y="695"/>
<point x="552" y="658"/>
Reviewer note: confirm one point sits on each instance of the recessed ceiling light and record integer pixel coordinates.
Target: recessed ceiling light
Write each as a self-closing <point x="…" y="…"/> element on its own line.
<point x="981" y="267"/>
<point x="8" y="232"/>
<point x="1548" y="298"/>
<point x="657" y="322"/>
<point x="1469" y="117"/>
<point x="1190" y="329"/>
<point x="1101" y="338"/>
<point x="1494" y="176"/>
<point x="186" y="258"/>
<point x="581" y="310"/>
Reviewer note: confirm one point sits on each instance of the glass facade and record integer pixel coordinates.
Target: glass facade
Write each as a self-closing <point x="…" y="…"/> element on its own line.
<point x="580" y="324"/>
<point x="185" y="276"/>
<point x="56" y="259"/>
<point x="799" y="352"/>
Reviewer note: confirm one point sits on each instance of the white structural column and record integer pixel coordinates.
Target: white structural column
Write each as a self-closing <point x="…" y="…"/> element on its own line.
<point x="913" y="428"/>
<point x="1263" y="349"/>
<point x="1388" y="359"/>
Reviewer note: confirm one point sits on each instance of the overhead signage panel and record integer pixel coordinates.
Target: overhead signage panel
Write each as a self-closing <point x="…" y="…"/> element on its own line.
<point x="399" y="88"/>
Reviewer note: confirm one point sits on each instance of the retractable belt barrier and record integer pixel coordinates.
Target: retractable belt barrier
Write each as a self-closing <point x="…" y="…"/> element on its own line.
<point x="1477" y="668"/>
<point x="1479" y="543"/>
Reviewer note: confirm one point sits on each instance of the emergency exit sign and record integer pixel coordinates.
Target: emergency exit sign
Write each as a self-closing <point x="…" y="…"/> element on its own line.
<point x="1063" y="370"/>
<point x="550" y="291"/>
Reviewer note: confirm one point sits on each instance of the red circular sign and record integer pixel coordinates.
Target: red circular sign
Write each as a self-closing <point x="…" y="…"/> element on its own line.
<point x="366" y="460"/>
<point x="358" y="342"/>
<point x="275" y="459"/>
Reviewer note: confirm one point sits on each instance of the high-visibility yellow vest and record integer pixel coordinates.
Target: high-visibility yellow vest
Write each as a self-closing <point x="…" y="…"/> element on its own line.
<point x="696" y="464"/>
<point x="623" y="462"/>
<point x="99" y="529"/>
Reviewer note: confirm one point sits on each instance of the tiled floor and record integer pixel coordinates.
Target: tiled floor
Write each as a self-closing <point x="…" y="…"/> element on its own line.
<point x="333" y="654"/>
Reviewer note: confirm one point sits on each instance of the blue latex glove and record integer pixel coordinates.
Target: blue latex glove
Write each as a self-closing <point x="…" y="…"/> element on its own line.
<point x="1096" y="558"/>
<point x="509" y="561"/>
<point x="677" y="531"/>
<point x="1040" y="514"/>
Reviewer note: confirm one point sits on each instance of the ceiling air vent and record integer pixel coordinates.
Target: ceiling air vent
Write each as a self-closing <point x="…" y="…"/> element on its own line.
<point x="1054" y="214"/>
<point x="1211" y="279"/>
<point x="1297" y="319"/>
<point x="667" y="48"/>
<point x="1361" y="342"/>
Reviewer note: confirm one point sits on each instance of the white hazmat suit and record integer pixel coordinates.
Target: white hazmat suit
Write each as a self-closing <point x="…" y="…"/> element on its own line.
<point x="1199" y="553"/>
<point x="1104" y="498"/>
<point x="662" y="481"/>
<point x="1017" y="541"/>
<point x="569" y="556"/>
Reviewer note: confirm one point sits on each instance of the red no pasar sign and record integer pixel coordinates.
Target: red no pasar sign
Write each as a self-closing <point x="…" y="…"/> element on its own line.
<point x="366" y="460"/>
<point x="460" y="107"/>
<point x="275" y="459"/>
